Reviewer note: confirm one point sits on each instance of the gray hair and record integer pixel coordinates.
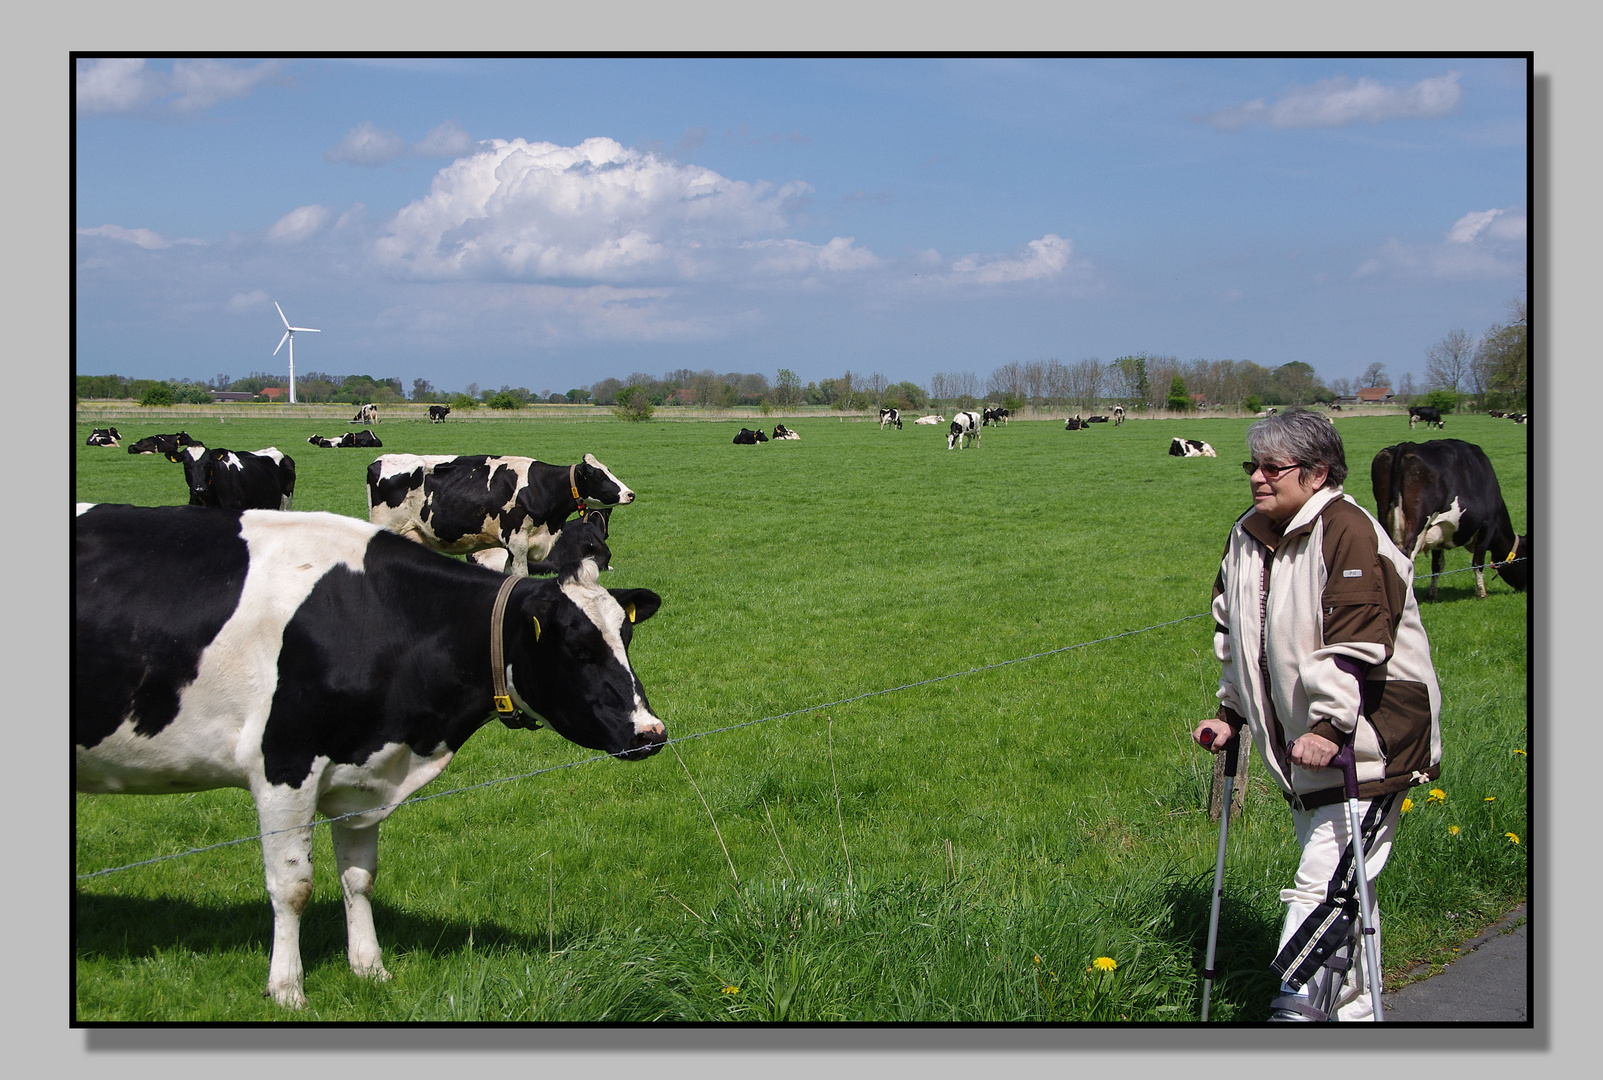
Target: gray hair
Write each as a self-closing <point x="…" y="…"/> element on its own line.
<point x="1308" y="438"/>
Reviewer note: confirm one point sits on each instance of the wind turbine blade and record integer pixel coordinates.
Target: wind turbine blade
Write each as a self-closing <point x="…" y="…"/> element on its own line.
<point x="281" y="341"/>
<point x="308" y="329"/>
<point x="281" y="315"/>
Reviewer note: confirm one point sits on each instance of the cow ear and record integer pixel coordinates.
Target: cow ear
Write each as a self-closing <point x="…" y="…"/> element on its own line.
<point x="638" y="604"/>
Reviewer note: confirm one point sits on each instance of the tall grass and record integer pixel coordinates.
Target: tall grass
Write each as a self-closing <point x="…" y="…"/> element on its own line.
<point x="1052" y="808"/>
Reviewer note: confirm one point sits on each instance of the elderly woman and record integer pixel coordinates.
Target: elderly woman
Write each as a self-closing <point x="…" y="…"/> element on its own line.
<point x="1321" y="642"/>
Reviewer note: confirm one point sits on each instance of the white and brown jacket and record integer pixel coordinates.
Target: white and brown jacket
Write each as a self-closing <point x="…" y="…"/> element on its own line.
<point x="1323" y="614"/>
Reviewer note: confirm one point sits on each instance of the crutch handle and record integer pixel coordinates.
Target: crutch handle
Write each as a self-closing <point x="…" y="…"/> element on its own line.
<point x="1232" y="748"/>
<point x="1347" y="762"/>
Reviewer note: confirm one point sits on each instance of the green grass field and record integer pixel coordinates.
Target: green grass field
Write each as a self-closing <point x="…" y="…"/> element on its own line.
<point x="958" y="850"/>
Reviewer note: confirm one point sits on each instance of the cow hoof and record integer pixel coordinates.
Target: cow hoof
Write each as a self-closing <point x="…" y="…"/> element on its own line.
<point x="290" y="997"/>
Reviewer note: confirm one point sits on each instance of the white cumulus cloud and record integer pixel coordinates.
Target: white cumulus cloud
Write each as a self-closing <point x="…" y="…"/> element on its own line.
<point x="598" y="211"/>
<point x="1045" y="257"/>
<point x="121" y="85"/>
<point x="1340" y="101"/>
<point x="299" y="224"/>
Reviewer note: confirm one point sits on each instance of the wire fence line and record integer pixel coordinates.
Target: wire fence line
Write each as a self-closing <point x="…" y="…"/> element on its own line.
<point x="837" y="703"/>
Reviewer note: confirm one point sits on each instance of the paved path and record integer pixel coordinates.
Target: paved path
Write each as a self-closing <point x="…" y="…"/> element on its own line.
<point x="1486" y="983"/>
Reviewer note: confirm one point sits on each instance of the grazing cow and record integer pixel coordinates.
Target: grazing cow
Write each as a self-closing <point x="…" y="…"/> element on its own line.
<point x="1432" y="417"/>
<point x="163" y="444"/>
<point x="965" y="429"/>
<point x="327" y="667"/>
<point x="1179" y="447"/>
<point x="1444" y="494"/>
<point x="994" y="417"/>
<point x="364" y="439"/>
<point x="748" y="437"/>
<point x="438" y="413"/>
<point x="366" y="414"/>
<point x="460" y="505"/>
<point x="237" y="479"/>
<point x="1074" y="423"/>
<point x="931" y="419"/>
<point x="102" y="437"/>
<point x="782" y="432"/>
<point x="1118" y="415"/>
<point x="890" y="416"/>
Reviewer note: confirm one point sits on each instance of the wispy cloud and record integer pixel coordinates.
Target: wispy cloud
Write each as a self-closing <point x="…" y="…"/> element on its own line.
<point x="1482" y="244"/>
<point x="299" y="224"/>
<point x="367" y="144"/>
<point x="1046" y="257"/>
<point x="1340" y="102"/>
<point x="124" y="85"/>
<point x="145" y="238"/>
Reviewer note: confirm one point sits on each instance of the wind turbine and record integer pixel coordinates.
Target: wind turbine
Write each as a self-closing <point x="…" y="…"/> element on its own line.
<point x="289" y="336"/>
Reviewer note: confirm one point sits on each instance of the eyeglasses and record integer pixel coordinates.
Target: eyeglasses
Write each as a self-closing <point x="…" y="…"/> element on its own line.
<point x="1270" y="472"/>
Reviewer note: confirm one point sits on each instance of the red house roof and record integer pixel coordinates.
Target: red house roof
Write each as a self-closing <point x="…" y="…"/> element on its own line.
<point x="1374" y="393"/>
<point x="272" y="393"/>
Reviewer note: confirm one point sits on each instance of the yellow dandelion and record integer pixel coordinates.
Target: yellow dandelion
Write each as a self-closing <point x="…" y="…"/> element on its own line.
<point x="1436" y="795"/>
<point x="1490" y="798"/>
<point x="1452" y="830"/>
<point x="1408" y="804"/>
<point x="1522" y="753"/>
<point x="1104" y="963"/>
<point x="1037" y="959"/>
<point x="1512" y="838"/>
<point x="731" y="990"/>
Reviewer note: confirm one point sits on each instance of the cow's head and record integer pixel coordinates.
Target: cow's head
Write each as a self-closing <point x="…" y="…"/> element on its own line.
<point x="597" y="484"/>
<point x="199" y="466"/>
<point x="1515" y="567"/>
<point x="570" y="661"/>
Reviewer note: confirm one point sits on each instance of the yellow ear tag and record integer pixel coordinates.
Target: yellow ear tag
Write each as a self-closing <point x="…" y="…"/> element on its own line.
<point x="631" y="610"/>
<point x="1511" y="555"/>
<point x="536" y="623"/>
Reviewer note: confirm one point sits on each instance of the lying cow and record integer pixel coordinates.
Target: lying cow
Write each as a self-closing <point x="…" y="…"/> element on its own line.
<point x="931" y="419"/>
<point x="328" y="667"/>
<point x="1444" y="494"/>
<point x="464" y="504"/>
<point x="781" y="433"/>
<point x="747" y="437"/>
<point x="890" y="416"/>
<point x="163" y="444"/>
<point x="1179" y="447"/>
<point x="1431" y="417"/>
<point x="237" y="479"/>
<point x="102" y="437"/>
<point x="366" y="414"/>
<point x="364" y="439"/>
<point x="1074" y="423"/>
<point x="965" y="429"/>
<point x="1096" y="419"/>
<point x="438" y="413"/>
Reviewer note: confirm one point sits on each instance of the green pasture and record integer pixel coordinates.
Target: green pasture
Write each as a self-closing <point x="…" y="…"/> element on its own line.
<point x="961" y="849"/>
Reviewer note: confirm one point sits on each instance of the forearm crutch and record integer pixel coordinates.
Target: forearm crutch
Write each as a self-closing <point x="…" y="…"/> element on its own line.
<point x="1348" y="764"/>
<point x="1230" y="751"/>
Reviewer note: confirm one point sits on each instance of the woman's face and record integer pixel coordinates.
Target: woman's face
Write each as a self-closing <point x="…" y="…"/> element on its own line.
<point x="1280" y="499"/>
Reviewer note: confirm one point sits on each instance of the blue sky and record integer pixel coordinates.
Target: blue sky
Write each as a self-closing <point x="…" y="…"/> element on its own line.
<point x="549" y="223"/>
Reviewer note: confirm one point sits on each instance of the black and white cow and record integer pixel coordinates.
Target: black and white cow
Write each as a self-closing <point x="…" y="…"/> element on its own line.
<point x="1096" y="419"/>
<point x="438" y="413"/>
<point x="890" y="416"/>
<point x="364" y="439"/>
<point x="577" y="538"/>
<point x="965" y="429"/>
<point x="102" y="437"/>
<point x="1074" y="423"/>
<point x="1179" y="447"/>
<point x="163" y="444"/>
<point x="366" y="414"/>
<point x="748" y="437"/>
<point x="1431" y="417"/>
<point x="328" y="667"/>
<point x="782" y="433"/>
<point x="1444" y="494"/>
<point x="1118" y="415"/>
<point x="995" y="417"/>
<point x="1519" y="417"/>
<point x="238" y="479"/>
<point x="460" y="505"/>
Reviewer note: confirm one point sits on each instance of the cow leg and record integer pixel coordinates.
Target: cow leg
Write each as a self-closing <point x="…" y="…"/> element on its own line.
<point x="1480" y="574"/>
<point x="286" y="816"/>
<point x="1438" y="558"/>
<point x="356" y="850"/>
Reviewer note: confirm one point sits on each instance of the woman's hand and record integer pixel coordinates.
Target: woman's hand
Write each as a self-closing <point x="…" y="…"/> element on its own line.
<point x="1221" y="735"/>
<point x="1313" y="751"/>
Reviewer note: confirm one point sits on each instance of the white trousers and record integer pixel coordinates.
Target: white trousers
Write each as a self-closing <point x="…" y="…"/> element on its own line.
<point x="1324" y="835"/>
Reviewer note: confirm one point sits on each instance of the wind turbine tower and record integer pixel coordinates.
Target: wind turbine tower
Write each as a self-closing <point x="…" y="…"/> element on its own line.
<point x="289" y="336"/>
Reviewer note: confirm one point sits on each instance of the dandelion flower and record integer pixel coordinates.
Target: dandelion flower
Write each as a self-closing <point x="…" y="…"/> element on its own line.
<point x="1436" y="795"/>
<point x="731" y="990"/>
<point x="1522" y="753"/>
<point x="1490" y="798"/>
<point x="1512" y="838"/>
<point x="1408" y="804"/>
<point x="1104" y="963"/>
<point x="1452" y="830"/>
<point x="1038" y="959"/>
